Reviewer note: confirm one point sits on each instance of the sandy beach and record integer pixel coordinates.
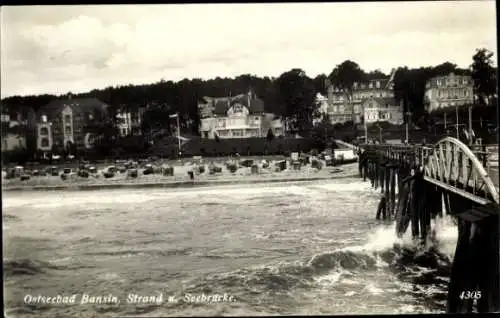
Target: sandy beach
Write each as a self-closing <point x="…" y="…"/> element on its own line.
<point x="180" y="178"/>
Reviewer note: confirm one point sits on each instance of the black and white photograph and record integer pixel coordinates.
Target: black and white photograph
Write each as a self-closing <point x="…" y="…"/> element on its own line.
<point x="250" y="159"/>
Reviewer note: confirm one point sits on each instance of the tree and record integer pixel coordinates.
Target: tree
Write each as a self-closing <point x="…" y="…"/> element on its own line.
<point x="69" y="149"/>
<point x="106" y="134"/>
<point x="443" y="69"/>
<point x="344" y="76"/>
<point x="484" y="76"/>
<point x="57" y="150"/>
<point x="320" y="84"/>
<point x="156" y="118"/>
<point x="410" y="86"/>
<point x="322" y="133"/>
<point x="296" y="95"/>
<point x="270" y="135"/>
<point x="374" y="75"/>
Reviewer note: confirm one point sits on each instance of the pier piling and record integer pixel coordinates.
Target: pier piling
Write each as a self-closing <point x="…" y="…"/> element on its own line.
<point x="422" y="183"/>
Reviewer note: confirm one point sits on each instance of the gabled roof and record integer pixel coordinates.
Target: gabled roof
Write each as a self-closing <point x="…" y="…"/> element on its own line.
<point x="383" y="101"/>
<point x="76" y="104"/>
<point x="222" y="106"/>
<point x="257" y="106"/>
<point x="456" y="78"/>
<point x="366" y="85"/>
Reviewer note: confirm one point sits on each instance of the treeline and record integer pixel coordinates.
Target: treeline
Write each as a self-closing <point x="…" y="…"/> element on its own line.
<point x="290" y="95"/>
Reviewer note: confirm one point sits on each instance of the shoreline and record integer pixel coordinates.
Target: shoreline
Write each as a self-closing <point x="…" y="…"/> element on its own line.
<point x="344" y="172"/>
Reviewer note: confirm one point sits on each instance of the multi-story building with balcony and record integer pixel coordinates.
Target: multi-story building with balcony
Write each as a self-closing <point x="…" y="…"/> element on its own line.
<point x="67" y="122"/>
<point x="44" y="139"/>
<point x="448" y="91"/>
<point x="341" y="108"/>
<point x="129" y="122"/>
<point x="382" y="109"/>
<point x="322" y="108"/>
<point x="13" y="141"/>
<point x="17" y="127"/>
<point x="241" y="116"/>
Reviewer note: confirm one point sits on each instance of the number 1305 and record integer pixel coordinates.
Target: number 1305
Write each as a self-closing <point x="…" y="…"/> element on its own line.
<point x="470" y="295"/>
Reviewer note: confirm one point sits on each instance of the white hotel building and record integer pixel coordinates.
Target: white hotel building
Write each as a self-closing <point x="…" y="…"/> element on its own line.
<point x="241" y="116"/>
<point x="448" y="91"/>
<point x="372" y="100"/>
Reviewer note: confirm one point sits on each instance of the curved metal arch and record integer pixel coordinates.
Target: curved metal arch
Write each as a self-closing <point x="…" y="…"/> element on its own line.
<point x="476" y="164"/>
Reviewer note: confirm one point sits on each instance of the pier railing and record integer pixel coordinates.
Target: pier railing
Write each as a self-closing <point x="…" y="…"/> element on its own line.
<point x="449" y="164"/>
<point x="451" y="178"/>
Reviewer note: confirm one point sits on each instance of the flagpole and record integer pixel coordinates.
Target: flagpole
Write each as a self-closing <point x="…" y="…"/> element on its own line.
<point x="178" y="134"/>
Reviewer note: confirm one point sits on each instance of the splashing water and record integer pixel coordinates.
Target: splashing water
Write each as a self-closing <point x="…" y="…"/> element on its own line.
<point x="279" y="250"/>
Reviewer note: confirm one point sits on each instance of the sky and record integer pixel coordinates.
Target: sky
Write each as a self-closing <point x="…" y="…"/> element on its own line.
<point x="57" y="49"/>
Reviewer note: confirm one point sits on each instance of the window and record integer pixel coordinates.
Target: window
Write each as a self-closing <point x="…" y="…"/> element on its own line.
<point x="124" y="131"/>
<point x="20" y="142"/>
<point x="45" y="142"/>
<point x="237" y="133"/>
<point x="67" y="118"/>
<point x="67" y="130"/>
<point x="5" y="144"/>
<point x="439" y="82"/>
<point x="44" y="131"/>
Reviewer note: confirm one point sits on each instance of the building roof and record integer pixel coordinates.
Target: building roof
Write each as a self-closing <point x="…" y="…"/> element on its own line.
<point x="385" y="83"/>
<point x="432" y="83"/>
<point x="76" y="104"/>
<point x="256" y="106"/>
<point x="383" y="101"/>
<point x="222" y="105"/>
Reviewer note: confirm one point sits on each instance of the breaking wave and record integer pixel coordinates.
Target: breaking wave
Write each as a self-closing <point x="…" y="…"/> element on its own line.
<point x="427" y="269"/>
<point x="31" y="267"/>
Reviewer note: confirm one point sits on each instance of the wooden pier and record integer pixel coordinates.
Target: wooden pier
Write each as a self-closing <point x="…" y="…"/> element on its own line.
<point x="420" y="183"/>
